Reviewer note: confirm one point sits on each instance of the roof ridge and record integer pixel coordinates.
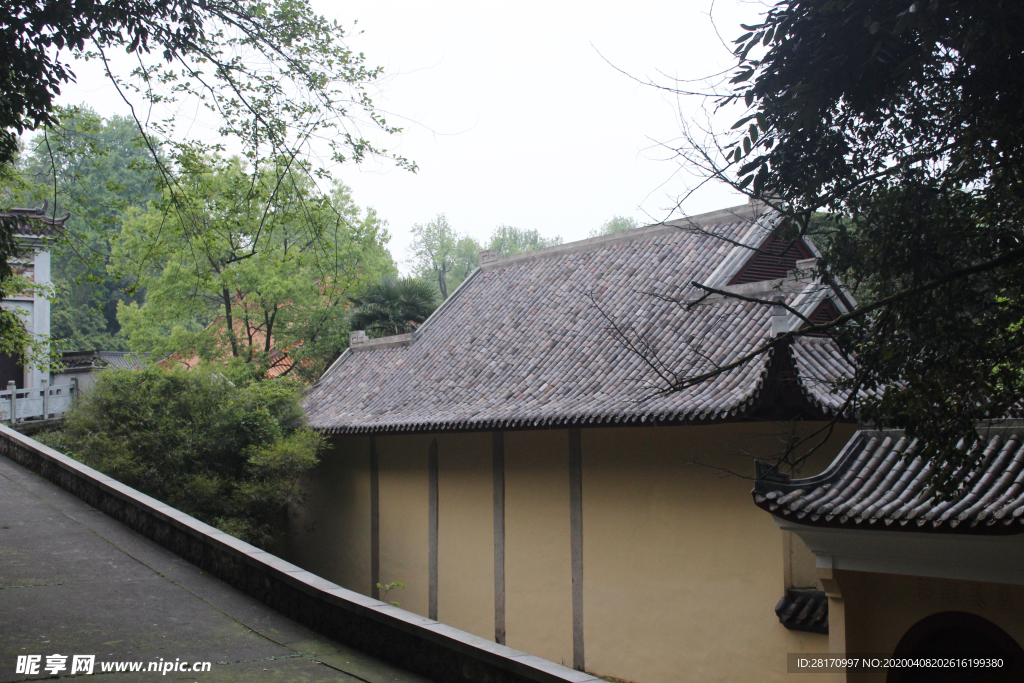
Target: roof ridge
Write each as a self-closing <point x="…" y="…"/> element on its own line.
<point x="446" y="303"/>
<point x="737" y="214"/>
<point x="34" y="226"/>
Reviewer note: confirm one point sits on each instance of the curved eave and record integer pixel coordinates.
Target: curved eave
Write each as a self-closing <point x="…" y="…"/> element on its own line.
<point x="878" y="483"/>
<point x="736" y="410"/>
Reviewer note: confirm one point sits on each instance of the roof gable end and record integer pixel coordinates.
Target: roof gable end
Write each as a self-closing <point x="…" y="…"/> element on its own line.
<point x="774" y="259"/>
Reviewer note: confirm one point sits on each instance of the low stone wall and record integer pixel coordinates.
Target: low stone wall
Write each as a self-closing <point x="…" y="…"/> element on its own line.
<point x="421" y="645"/>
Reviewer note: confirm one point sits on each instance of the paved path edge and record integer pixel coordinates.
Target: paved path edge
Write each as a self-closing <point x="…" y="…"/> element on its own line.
<point x="421" y="645"/>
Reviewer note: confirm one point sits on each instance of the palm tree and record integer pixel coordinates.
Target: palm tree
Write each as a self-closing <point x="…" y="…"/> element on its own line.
<point x="393" y="306"/>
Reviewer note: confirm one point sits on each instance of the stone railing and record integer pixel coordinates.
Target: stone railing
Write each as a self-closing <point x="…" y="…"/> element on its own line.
<point x="37" y="403"/>
<point x="421" y="645"/>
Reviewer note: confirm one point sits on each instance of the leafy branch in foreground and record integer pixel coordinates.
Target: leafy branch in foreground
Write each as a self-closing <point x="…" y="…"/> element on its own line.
<point x="276" y="74"/>
<point x="900" y="120"/>
<point x="277" y="80"/>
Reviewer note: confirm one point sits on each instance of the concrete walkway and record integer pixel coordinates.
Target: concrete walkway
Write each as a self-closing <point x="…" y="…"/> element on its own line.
<point x="76" y="582"/>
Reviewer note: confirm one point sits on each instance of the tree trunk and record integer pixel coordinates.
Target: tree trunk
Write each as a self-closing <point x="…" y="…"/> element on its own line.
<point x="230" y="323"/>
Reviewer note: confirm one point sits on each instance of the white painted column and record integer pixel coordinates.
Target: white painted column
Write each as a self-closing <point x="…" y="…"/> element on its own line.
<point x="836" y="613"/>
<point x="40" y="318"/>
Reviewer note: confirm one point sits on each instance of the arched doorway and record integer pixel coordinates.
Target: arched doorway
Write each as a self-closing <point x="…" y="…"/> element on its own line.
<point x="955" y="635"/>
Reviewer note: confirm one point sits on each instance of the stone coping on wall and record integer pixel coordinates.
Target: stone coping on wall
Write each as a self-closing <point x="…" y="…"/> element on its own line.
<point x="421" y="645"/>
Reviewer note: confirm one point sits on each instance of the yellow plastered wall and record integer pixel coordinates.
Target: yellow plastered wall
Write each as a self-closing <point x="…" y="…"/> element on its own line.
<point x="881" y="608"/>
<point x="681" y="571"/>
<point x="404" y="549"/>
<point x="330" y="534"/>
<point x="465" y="543"/>
<point x="538" y="571"/>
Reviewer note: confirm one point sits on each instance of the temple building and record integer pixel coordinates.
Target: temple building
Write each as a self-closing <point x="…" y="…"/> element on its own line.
<point x="909" y="572"/>
<point x="518" y="464"/>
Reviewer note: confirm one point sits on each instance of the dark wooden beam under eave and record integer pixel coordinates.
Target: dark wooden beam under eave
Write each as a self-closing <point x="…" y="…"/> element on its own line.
<point x="781" y="398"/>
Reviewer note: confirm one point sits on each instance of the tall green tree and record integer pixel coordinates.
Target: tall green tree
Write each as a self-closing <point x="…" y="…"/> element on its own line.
<point x="246" y="265"/>
<point x="443" y="256"/>
<point x="508" y="240"/>
<point x="274" y="77"/>
<point x="902" y="120"/>
<point x="96" y="169"/>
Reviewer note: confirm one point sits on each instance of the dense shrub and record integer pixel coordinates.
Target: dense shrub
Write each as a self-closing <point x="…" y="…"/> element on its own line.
<point x="228" y="455"/>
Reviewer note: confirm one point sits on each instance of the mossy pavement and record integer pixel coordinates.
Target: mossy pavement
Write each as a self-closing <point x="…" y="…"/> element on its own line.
<point x="74" y="581"/>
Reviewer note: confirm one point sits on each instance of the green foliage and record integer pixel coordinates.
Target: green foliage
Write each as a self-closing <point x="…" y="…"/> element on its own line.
<point x="275" y="72"/>
<point x="97" y="169"/>
<point x="902" y="120"/>
<point x="387" y="588"/>
<point x="508" y="240"/>
<point x="15" y="340"/>
<point x="615" y="224"/>
<point x="240" y="266"/>
<point x="393" y="306"/>
<point x="441" y="255"/>
<point x="229" y="455"/>
<point x="275" y="76"/>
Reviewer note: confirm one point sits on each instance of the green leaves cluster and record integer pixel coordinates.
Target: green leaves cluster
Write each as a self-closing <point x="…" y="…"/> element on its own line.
<point x="243" y="265"/>
<point x="902" y="120"/>
<point x="443" y="256"/>
<point x="393" y="306"/>
<point x="232" y="456"/>
<point x="96" y="169"/>
<point x="274" y="72"/>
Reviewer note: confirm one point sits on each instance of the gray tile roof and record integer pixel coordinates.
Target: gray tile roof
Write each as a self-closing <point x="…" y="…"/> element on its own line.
<point x="123" y="359"/>
<point x="803" y="610"/>
<point x="878" y="482"/>
<point x="526" y="341"/>
<point x="34" y="222"/>
<point x="87" y="360"/>
<point x="819" y="364"/>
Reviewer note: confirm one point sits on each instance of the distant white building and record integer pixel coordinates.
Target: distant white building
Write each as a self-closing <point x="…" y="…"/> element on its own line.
<point x="33" y="233"/>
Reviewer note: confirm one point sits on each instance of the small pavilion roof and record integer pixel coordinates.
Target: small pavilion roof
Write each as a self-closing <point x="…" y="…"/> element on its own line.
<point x="34" y="223"/>
<point x="537" y="339"/>
<point x="880" y="482"/>
<point x="89" y="360"/>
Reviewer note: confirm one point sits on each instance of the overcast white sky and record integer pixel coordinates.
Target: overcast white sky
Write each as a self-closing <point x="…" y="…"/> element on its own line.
<point x="514" y="117"/>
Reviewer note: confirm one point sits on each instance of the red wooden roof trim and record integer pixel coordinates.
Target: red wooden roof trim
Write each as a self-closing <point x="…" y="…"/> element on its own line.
<point x="774" y="260"/>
